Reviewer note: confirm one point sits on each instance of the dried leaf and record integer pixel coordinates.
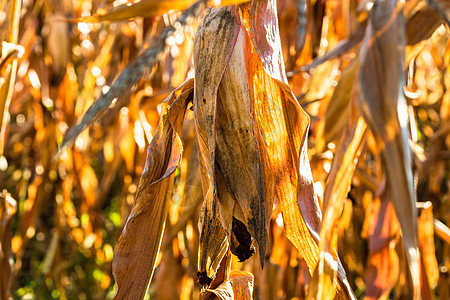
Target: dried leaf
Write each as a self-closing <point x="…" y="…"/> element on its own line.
<point x="341" y="174"/>
<point x="278" y="113"/>
<point x="422" y="24"/>
<point x="284" y="126"/>
<point x="213" y="242"/>
<point x="144" y="8"/>
<point x="383" y="263"/>
<point x="337" y="112"/>
<point x="342" y="47"/>
<point x="426" y="240"/>
<point x="237" y="156"/>
<point x="384" y="109"/>
<point x="148" y="8"/>
<point x="135" y="253"/>
<point x="217" y="34"/>
<point x="238" y="286"/>
<point x="443" y="7"/>
<point x="441" y="230"/>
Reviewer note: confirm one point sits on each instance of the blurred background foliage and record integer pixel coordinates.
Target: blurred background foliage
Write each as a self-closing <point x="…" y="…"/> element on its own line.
<point x="61" y="216"/>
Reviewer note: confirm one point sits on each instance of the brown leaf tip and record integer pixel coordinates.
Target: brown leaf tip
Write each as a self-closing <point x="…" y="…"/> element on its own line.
<point x="203" y="278"/>
<point x="241" y="244"/>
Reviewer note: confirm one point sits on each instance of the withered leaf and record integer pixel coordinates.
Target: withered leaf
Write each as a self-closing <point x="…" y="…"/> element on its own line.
<point x="283" y="125"/>
<point x="337" y="112"/>
<point x="238" y="286"/>
<point x="342" y="47"/>
<point x="213" y="241"/>
<point x="383" y="263"/>
<point x="217" y="34"/>
<point x="421" y="24"/>
<point x="142" y="8"/>
<point x="383" y="106"/>
<point x="147" y="8"/>
<point x="336" y="190"/>
<point x="426" y="240"/>
<point x="237" y="156"/>
<point x="138" y="246"/>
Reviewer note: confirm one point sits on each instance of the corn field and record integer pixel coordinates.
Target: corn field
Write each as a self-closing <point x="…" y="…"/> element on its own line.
<point x="225" y="150"/>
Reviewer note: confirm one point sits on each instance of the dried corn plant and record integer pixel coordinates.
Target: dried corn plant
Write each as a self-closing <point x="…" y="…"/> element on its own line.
<point x="224" y="149"/>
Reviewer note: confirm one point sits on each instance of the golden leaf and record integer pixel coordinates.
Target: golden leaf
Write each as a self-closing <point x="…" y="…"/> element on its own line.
<point x="383" y="106"/>
<point x="135" y="253"/>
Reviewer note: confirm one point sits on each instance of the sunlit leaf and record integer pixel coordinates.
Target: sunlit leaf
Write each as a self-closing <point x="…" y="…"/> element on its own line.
<point x="135" y="253"/>
<point x="216" y="35"/>
<point x="147" y="8"/>
<point x="238" y="286"/>
<point x="342" y="170"/>
<point x="384" y="109"/>
<point x="383" y="263"/>
<point x="426" y="240"/>
<point x="144" y="8"/>
<point x="344" y="46"/>
<point x="337" y="113"/>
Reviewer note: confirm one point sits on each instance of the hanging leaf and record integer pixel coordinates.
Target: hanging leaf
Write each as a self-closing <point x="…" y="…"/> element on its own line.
<point x="426" y="240"/>
<point x="341" y="174"/>
<point x="383" y="263"/>
<point x="144" y="8"/>
<point x="148" y="8"/>
<point x="217" y="34"/>
<point x="135" y="253"/>
<point x="421" y="25"/>
<point x="342" y="47"/>
<point x="337" y="113"/>
<point x="238" y="286"/>
<point x="383" y="106"/>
